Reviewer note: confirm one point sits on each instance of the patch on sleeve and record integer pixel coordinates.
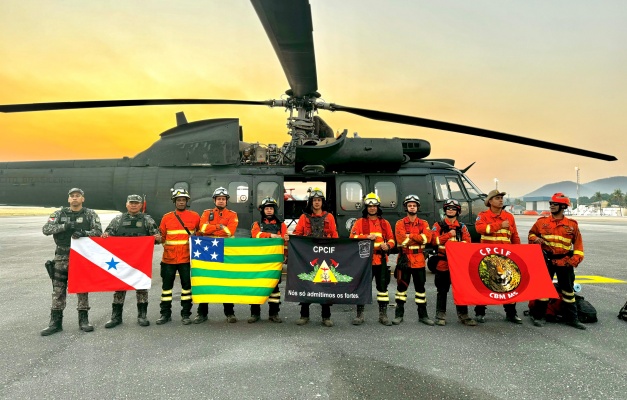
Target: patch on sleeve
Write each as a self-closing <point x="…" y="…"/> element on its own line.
<point x="52" y="217"/>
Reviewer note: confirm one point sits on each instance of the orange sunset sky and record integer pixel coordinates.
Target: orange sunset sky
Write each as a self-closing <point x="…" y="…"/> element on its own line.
<point x="555" y="71"/>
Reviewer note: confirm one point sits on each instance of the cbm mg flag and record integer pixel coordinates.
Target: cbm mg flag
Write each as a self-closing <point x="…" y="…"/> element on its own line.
<point x="235" y="270"/>
<point x="498" y="273"/>
<point x="111" y="264"/>
<point x="329" y="271"/>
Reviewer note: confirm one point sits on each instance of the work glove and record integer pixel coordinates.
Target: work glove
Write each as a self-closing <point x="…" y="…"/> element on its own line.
<point x="70" y="226"/>
<point x="78" y="234"/>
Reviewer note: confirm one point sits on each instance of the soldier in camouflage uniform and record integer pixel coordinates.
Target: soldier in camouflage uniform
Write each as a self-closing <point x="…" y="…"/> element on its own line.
<point x="70" y="222"/>
<point x="131" y="223"/>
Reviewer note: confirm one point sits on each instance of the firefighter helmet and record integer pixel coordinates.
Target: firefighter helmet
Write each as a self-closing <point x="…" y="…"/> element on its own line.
<point x="220" y="192"/>
<point x="316" y="192"/>
<point x="372" y="199"/>
<point x="179" y="193"/>
<point x="560" y="198"/>
<point x="452" y="203"/>
<point x="268" y="202"/>
<point x="411" y="198"/>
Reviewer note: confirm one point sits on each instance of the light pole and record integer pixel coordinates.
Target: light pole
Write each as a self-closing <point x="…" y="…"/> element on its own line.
<point x="496" y="183"/>
<point x="577" y="170"/>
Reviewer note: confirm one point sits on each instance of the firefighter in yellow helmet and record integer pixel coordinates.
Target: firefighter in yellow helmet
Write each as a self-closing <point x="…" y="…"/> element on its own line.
<point x="372" y="226"/>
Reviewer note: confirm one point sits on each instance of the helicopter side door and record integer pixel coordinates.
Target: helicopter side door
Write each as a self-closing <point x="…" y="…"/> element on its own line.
<point x="267" y="186"/>
<point x="349" y="194"/>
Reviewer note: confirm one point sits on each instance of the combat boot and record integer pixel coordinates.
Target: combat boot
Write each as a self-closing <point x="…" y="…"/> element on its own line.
<point x="466" y="320"/>
<point x="302" y="321"/>
<point x="83" y="321"/>
<point x="56" y="323"/>
<point x="423" y="316"/>
<point x="165" y="318"/>
<point x="328" y="323"/>
<point x="116" y="316"/>
<point x="576" y="324"/>
<point x="253" y="318"/>
<point x="383" y="315"/>
<point x="440" y="318"/>
<point x="231" y="319"/>
<point x="398" y="314"/>
<point x="142" y="310"/>
<point x="359" y="319"/>
<point x="275" y="318"/>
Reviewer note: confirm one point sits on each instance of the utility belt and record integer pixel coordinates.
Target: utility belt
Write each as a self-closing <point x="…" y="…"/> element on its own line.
<point x="411" y="251"/>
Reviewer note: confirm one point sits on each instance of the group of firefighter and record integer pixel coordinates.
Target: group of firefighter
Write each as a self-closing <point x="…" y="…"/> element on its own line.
<point x="558" y="236"/>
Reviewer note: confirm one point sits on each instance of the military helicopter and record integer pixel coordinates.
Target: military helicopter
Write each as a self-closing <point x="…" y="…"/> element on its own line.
<point x="203" y="155"/>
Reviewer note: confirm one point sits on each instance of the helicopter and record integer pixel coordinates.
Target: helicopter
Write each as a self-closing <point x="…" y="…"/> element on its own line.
<point x="201" y="156"/>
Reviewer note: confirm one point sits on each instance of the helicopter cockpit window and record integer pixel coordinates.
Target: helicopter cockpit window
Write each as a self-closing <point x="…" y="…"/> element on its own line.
<point x="455" y="188"/>
<point x="352" y="195"/>
<point x="441" y="188"/>
<point x="238" y="192"/>
<point x="387" y="193"/>
<point x="267" y="189"/>
<point x="471" y="188"/>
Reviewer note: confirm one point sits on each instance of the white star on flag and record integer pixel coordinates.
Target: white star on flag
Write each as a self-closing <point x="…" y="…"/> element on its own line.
<point x="214" y="256"/>
<point x="197" y="241"/>
<point x="197" y="253"/>
<point x="215" y="242"/>
<point x="206" y="248"/>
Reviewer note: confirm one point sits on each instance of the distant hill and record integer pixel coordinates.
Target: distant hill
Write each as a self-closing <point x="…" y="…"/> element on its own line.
<point x="569" y="188"/>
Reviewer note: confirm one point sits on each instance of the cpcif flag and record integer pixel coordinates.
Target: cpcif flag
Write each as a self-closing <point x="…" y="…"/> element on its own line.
<point x="235" y="270"/>
<point x="498" y="273"/>
<point x="329" y="271"/>
<point x="111" y="264"/>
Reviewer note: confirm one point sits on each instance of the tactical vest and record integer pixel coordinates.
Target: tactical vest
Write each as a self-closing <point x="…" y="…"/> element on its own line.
<point x="317" y="225"/>
<point x="132" y="225"/>
<point x="445" y="228"/>
<point x="270" y="228"/>
<point x="82" y="220"/>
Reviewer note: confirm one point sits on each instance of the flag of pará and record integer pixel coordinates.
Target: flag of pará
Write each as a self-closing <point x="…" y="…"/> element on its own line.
<point x="329" y="271"/>
<point x="483" y="274"/>
<point x="107" y="265"/>
<point x="235" y="270"/>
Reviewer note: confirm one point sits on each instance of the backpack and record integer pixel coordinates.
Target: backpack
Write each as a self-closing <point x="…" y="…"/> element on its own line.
<point x="622" y="314"/>
<point x="586" y="313"/>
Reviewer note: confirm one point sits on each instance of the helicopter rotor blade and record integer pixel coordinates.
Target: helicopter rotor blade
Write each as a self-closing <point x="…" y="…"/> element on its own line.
<point x="468" y="130"/>
<point x="289" y="27"/>
<point x="73" y="105"/>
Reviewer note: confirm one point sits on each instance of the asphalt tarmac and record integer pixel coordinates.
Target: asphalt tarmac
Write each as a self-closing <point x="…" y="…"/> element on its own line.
<point x="216" y="360"/>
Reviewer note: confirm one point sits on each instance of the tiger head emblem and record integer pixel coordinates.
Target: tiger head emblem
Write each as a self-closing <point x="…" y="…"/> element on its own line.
<point x="499" y="274"/>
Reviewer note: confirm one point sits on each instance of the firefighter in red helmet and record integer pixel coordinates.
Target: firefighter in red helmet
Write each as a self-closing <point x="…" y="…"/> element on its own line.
<point x="563" y="251"/>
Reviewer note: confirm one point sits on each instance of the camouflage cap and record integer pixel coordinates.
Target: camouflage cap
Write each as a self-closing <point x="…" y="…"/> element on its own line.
<point x="134" y="197"/>
<point x="76" y="190"/>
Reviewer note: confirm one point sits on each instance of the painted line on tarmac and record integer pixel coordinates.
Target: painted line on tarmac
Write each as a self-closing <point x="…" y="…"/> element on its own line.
<point x="587" y="279"/>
